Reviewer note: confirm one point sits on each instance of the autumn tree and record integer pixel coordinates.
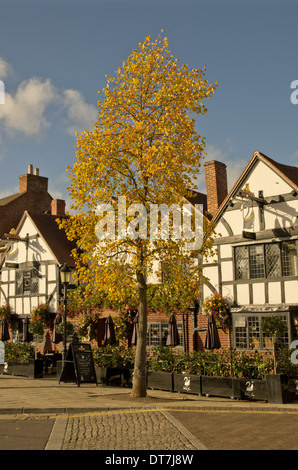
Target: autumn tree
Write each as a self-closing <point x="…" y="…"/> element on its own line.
<point x="144" y="150"/>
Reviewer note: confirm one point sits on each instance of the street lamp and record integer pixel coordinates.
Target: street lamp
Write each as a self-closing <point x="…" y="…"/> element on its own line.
<point x="65" y="278"/>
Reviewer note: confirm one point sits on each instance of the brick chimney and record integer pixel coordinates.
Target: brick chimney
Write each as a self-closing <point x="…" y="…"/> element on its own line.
<point x="216" y="184"/>
<point x="58" y="207"/>
<point x="33" y="182"/>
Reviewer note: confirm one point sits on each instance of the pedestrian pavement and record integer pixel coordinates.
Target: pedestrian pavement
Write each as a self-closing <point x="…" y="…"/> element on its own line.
<point x="104" y="417"/>
<point x="46" y="395"/>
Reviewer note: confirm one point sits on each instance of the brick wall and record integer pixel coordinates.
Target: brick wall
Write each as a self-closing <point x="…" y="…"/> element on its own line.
<point x="58" y="207"/>
<point x="33" y="196"/>
<point x="216" y="184"/>
<point x="201" y="335"/>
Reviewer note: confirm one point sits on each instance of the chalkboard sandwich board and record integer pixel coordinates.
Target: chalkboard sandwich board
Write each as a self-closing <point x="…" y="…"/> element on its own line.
<point x="79" y="365"/>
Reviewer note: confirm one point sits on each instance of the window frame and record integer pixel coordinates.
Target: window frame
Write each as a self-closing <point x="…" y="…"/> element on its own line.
<point x="251" y="341"/>
<point x="282" y="266"/>
<point x="162" y="338"/>
<point x="20" y="289"/>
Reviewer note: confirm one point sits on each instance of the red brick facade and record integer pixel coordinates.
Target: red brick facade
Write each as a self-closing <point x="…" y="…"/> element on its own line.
<point x="32" y="196"/>
<point x="216" y="184"/>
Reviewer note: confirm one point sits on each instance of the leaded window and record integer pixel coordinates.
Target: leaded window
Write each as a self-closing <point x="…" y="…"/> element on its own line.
<point x="273" y="260"/>
<point x="242" y="262"/>
<point x="256" y="260"/>
<point x="27" y="282"/>
<point x="289" y="258"/>
<point x="266" y="260"/>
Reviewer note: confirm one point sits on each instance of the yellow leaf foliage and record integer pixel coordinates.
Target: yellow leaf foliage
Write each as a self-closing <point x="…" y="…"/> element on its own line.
<point x="144" y="145"/>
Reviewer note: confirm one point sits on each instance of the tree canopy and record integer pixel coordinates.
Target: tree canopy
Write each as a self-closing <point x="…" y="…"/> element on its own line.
<point x="144" y="150"/>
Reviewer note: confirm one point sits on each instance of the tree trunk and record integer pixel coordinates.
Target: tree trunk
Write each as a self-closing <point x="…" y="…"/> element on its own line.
<point x="139" y="378"/>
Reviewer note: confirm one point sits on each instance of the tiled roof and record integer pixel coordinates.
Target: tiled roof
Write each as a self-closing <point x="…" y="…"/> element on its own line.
<point x="54" y="237"/>
<point x="198" y="198"/>
<point x="6" y="200"/>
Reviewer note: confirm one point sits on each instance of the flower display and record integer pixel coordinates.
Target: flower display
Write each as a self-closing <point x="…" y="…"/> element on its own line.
<point x="87" y="325"/>
<point x="39" y="319"/>
<point x="220" y="308"/>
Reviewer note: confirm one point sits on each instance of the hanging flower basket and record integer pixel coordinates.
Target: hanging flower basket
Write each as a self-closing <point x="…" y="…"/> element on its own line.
<point x="221" y="310"/>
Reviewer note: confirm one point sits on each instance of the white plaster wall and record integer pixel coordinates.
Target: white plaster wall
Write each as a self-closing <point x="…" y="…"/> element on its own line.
<point x="291" y="291"/>
<point x="227" y="270"/>
<point x="225" y="251"/>
<point x="19" y="305"/>
<point x="263" y="178"/>
<point x="274" y="293"/>
<point x="34" y="302"/>
<point x="42" y="280"/>
<point x="258" y="290"/>
<point x="26" y="303"/>
<point x="51" y="273"/>
<point x="53" y="305"/>
<point x="235" y="220"/>
<point x="206" y="291"/>
<point x="211" y="272"/>
<point x="228" y="292"/>
<point x="38" y="249"/>
<point x="280" y="214"/>
<point x="243" y="294"/>
<point x="221" y="230"/>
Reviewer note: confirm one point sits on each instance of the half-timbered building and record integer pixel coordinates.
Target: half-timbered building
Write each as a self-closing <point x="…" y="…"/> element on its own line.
<point x="256" y="268"/>
<point x="30" y="263"/>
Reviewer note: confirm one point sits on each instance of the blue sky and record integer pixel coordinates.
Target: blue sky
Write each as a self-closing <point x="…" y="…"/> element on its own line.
<point x="54" y="56"/>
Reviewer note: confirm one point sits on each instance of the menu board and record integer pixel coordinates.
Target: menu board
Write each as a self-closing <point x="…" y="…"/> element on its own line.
<point x="84" y="364"/>
<point x="79" y="365"/>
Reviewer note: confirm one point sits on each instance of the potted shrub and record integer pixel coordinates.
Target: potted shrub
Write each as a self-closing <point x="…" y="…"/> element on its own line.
<point x="20" y="360"/>
<point x="277" y="383"/>
<point x="187" y="374"/>
<point x="216" y="374"/>
<point x="113" y="364"/>
<point x="69" y="329"/>
<point x="251" y="370"/>
<point x="36" y="328"/>
<point x="161" y="365"/>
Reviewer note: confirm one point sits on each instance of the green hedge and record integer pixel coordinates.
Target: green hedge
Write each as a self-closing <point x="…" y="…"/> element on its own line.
<point x="18" y="352"/>
<point x="215" y="362"/>
<point x="113" y="356"/>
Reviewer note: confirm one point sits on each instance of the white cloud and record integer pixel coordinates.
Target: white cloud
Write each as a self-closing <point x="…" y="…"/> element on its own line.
<point x="5" y="68"/>
<point x="25" y="110"/>
<point x="80" y="115"/>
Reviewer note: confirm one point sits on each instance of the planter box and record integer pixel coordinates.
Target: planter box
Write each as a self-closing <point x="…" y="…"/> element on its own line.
<point x="253" y="389"/>
<point x="101" y="374"/>
<point x="187" y="383"/>
<point x="278" y="389"/>
<point x="32" y="369"/>
<point x="160" y="380"/>
<point x="228" y="387"/>
<point x="118" y="376"/>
